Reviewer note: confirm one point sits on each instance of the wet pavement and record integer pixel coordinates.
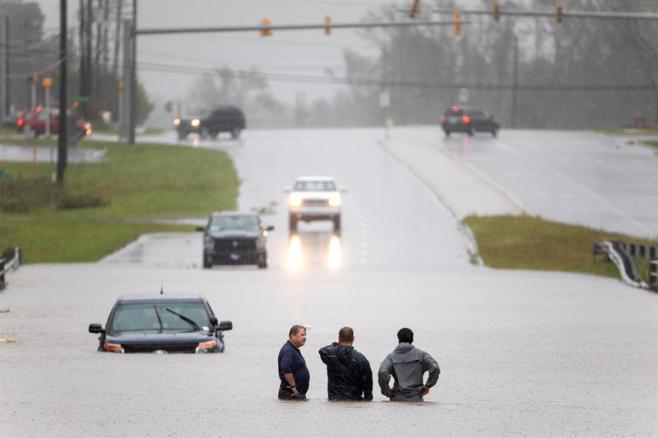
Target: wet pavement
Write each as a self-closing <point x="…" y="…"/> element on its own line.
<point x="521" y="353"/>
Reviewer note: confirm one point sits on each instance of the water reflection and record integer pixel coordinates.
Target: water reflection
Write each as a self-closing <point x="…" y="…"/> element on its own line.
<point x="313" y="249"/>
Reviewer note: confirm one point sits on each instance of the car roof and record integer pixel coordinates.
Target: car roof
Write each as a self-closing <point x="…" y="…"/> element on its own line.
<point x="315" y="178"/>
<point x="160" y="298"/>
<point x="232" y="213"/>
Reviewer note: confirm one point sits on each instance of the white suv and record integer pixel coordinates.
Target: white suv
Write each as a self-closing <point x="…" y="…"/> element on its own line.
<point x="314" y="198"/>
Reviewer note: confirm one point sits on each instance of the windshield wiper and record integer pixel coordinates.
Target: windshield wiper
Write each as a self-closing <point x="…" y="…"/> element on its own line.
<point x="159" y="319"/>
<point x="185" y="318"/>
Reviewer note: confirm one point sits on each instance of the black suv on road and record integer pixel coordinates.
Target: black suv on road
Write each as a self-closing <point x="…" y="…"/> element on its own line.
<point x="468" y="120"/>
<point x="224" y="119"/>
<point x="235" y="238"/>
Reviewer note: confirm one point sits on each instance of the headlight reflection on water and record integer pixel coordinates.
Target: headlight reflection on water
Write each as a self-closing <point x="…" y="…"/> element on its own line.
<point x="295" y="254"/>
<point x="335" y="256"/>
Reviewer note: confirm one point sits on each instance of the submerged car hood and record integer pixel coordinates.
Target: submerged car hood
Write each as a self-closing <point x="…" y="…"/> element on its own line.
<point x="151" y="337"/>
<point x="234" y="234"/>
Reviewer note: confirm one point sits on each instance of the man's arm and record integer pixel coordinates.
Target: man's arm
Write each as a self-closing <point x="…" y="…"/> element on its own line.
<point x="291" y="383"/>
<point x="384" y="375"/>
<point x="366" y="379"/>
<point x="432" y="367"/>
<point x="323" y="354"/>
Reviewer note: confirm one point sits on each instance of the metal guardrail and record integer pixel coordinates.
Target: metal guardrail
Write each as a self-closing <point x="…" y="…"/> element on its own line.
<point x="623" y="255"/>
<point x="653" y="275"/>
<point x="11" y="259"/>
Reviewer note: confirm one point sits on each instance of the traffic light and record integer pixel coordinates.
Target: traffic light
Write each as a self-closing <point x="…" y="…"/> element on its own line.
<point x="327" y="26"/>
<point x="496" y="11"/>
<point x="457" y="15"/>
<point x="266" y="24"/>
<point x="559" y="14"/>
<point x="415" y="7"/>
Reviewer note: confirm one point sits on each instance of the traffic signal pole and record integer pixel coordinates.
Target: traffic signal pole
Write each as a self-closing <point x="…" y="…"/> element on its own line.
<point x="62" y="138"/>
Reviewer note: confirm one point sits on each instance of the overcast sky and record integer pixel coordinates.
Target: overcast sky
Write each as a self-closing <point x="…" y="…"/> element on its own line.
<point x="286" y="52"/>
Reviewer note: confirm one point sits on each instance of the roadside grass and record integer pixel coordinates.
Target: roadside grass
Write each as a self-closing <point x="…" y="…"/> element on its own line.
<point x="628" y="131"/>
<point x="652" y="144"/>
<point x="524" y="242"/>
<point x="139" y="186"/>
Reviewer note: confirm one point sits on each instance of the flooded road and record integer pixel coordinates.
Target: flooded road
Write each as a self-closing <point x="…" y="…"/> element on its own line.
<point x="521" y="353"/>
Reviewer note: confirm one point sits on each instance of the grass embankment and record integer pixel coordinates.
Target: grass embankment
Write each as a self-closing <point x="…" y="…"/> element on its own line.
<point x="653" y="144"/>
<point x="127" y="194"/>
<point x="524" y="242"/>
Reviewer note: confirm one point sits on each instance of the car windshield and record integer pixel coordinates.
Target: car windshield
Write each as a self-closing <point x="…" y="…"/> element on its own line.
<point x="148" y="317"/>
<point x="244" y="223"/>
<point x="315" y="186"/>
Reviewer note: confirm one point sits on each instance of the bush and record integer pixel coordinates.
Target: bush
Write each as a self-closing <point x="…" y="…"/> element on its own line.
<point x="72" y="202"/>
<point x="21" y="194"/>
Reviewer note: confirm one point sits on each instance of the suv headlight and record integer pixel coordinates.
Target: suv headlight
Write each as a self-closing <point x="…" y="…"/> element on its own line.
<point x="206" y="347"/>
<point x="334" y="200"/>
<point x="114" y="348"/>
<point x="294" y="200"/>
<point x="195" y="123"/>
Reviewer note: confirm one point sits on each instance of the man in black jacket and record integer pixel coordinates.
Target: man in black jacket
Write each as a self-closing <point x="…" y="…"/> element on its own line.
<point x="349" y="376"/>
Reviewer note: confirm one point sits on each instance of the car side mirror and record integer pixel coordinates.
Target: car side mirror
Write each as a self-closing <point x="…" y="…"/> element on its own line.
<point x="201" y="228"/>
<point x="269" y="228"/>
<point x="96" y="328"/>
<point x="225" y="325"/>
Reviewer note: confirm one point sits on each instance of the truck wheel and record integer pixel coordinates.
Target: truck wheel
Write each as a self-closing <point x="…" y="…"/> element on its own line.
<point x="292" y="223"/>
<point x="337" y="224"/>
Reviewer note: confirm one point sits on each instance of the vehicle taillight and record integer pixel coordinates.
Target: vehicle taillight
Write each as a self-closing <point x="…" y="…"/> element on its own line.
<point x="20" y="122"/>
<point x="466" y="119"/>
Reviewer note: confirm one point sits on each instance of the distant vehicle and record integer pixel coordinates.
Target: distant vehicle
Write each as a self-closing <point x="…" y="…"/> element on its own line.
<point x="314" y="198"/>
<point x="162" y="323"/>
<point x="224" y="119"/>
<point x="235" y="238"/>
<point x="35" y="121"/>
<point x="468" y="120"/>
<point x="212" y="122"/>
<point x="190" y="125"/>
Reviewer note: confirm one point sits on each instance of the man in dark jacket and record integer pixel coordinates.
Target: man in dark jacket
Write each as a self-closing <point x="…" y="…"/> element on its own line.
<point x="407" y="364"/>
<point x="349" y="376"/>
<point x="293" y="373"/>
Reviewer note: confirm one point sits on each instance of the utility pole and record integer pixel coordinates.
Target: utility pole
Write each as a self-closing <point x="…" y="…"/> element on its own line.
<point x="515" y="79"/>
<point x="5" y="68"/>
<point x="133" y="77"/>
<point x="62" y="139"/>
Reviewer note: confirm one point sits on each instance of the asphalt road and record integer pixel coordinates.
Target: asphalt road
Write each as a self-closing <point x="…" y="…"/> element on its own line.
<point x="522" y="353"/>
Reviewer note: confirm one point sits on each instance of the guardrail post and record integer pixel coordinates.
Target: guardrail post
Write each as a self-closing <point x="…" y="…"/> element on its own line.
<point x="653" y="275"/>
<point x="3" y="283"/>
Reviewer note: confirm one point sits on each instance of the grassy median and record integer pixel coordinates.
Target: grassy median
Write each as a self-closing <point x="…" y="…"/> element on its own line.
<point x="524" y="242"/>
<point x="105" y="205"/>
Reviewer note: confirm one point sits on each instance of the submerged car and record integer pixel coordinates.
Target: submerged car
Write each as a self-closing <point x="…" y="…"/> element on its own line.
<point x="162" y="323"/>
<point x="235" y="238"/>
<point x="314" y="198"/>
<point x="468" y="120"/>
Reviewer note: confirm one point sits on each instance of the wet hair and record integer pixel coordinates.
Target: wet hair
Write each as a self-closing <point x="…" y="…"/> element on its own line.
<point x="346" y="334"/>
<point x="295" y="329"/>
<point x="405" y="335"/>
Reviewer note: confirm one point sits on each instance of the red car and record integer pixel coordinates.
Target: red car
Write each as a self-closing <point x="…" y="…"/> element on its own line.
<point x="36" y="121"/>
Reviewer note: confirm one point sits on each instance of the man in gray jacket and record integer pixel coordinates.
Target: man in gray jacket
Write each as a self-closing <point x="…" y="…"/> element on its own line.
<point x="407" y="364"/>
